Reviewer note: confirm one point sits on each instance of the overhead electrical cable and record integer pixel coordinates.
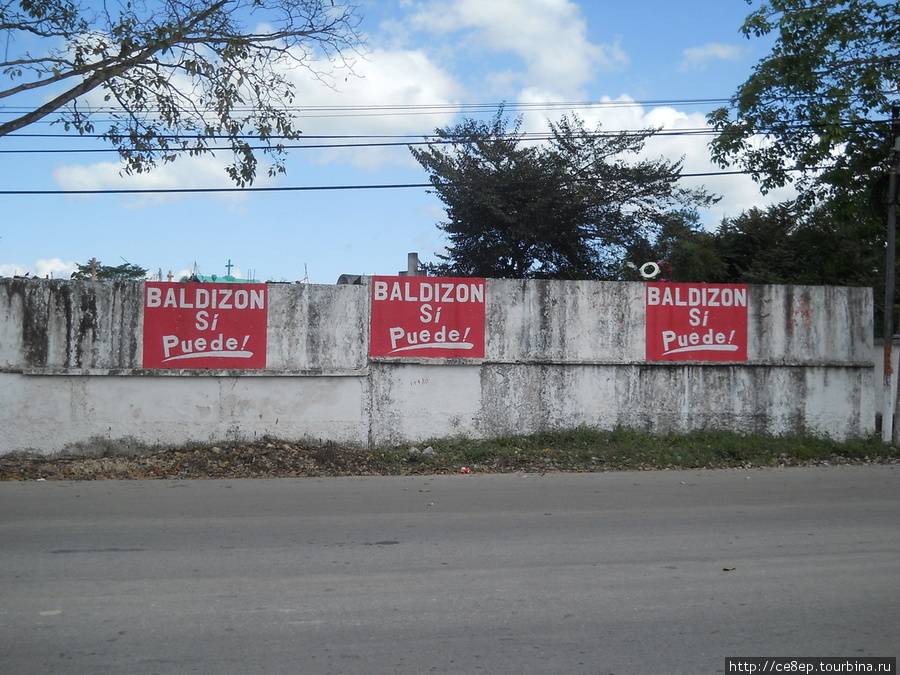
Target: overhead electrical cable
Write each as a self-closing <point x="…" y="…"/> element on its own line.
<point x="360" y="141"/>
<point x="292" y="188"/>
<point x="374" y="141"/>
<point x="442" y="108"/>
<point x="425" y="140"/>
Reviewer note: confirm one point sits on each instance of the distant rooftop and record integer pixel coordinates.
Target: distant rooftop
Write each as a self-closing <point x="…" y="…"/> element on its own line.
<point x="215" y="279"/>
<point x="227" y="279"/>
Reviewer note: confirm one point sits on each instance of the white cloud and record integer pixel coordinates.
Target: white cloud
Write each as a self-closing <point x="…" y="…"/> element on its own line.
<point x="739" y="192"/>
<point x="186" y="172"/>
<point x="611" y="114"/>
<point x="699" y="58"/>
<point x="377" y="100"/>
<point x="388" y="89"/>
<point x="689" y="143"/>
<point x="53" y="268"/>
<point x="550" y="36"/>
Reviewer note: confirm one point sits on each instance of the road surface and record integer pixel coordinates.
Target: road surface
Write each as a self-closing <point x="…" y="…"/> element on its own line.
<point x="619" y="573"/>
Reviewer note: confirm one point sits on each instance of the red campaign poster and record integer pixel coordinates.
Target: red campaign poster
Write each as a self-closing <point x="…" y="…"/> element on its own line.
<point x="213" y="326"/>
<point x="696" y="322"/>
<point x="428" y="317"/>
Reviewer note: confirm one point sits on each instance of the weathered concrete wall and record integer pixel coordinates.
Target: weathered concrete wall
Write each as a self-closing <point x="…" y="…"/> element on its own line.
<point x="69" y="325"/>
<point x="557" y="355"/>
<point x="318" y="329"/>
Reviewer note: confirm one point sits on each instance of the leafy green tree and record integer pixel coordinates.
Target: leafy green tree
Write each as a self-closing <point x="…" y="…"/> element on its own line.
<point x="837" y="245"/>
<point x="756" y="247"/>
<point x="785" y="244"/>
<point x="684" y="250"/>
<point x="569" y="208"/>
<point x="174" y="76"/>
<point x="96" y="271"/>
<point x="819" y="100"/>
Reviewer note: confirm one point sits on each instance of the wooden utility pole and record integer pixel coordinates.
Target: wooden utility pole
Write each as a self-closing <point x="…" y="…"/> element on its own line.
<point x="887" y="409"/>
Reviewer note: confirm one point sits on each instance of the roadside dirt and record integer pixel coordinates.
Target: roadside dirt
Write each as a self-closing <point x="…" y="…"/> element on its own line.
<point x="277" y="459"/>
<point x="246" y="460"/>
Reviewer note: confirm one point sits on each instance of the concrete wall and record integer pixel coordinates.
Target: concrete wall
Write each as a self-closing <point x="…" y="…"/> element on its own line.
<point x="557" y="355"/>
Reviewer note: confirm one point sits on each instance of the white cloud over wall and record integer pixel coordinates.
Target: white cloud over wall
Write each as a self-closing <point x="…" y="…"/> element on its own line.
<point x="53" y="268"/>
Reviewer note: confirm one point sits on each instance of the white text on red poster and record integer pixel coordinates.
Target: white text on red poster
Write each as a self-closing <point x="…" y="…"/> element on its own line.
<point x="209" y="326"/>
<point x="696" y="322"/>
<point x="427" y="317"/>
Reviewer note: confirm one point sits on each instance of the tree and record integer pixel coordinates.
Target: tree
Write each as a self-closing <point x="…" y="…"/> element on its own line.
<point x="94" y="271"/>
<point x="819" y="99"/>
<point x="684" y="251"/>
<point x="787" y="244"/>
<point x="173" y="76"/>
<point x="758" y="247"/>
<point x="837" y="248"/>
<point x="566" y="209"/>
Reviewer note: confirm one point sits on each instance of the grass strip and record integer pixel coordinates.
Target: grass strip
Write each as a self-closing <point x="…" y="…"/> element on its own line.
<point x="577" y="450"/>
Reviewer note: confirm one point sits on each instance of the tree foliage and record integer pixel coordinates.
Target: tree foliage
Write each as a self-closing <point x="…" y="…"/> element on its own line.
<point x="683" y="249"/>
<point x="819" y="99"/>
<point x="171" y="76"/>
<point x="95" y="271"/>
<point x="759" y="246"/>
<point x="569" y="208"/>
<point x="782" y="244"/>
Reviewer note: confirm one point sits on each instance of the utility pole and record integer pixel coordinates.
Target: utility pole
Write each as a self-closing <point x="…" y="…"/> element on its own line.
<point x="887" y="409"/>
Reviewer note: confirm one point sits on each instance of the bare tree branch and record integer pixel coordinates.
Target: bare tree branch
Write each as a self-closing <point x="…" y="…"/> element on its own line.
<point x="176" y="70"/>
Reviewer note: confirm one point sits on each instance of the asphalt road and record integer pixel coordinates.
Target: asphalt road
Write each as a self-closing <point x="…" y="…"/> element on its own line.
<point x="647" y="572"/>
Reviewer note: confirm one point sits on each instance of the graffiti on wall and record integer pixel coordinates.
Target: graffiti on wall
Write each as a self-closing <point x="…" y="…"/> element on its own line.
<point x="427" y="317"/>
<point x="696" y="322"/>
<point x="214" y="326"/>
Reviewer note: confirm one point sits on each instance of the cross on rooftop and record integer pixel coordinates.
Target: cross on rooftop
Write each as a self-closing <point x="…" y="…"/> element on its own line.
<point x="229" y="266"/>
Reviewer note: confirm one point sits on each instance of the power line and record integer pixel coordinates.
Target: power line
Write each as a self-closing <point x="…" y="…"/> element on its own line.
<point x="362" y="141"/>
<point x="440" y="108"/>
<point x="366" y="140"/>
<point x="338" y="112"/>
<point x="347" y="142"/>
<point x="427" y="140"/>
<point x="294" y="188"/>
<point x="154" y="191"/>
<point x="371" y="141"/>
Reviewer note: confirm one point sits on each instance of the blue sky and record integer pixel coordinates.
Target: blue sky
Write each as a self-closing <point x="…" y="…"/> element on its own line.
<point x="639" y="63"/>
